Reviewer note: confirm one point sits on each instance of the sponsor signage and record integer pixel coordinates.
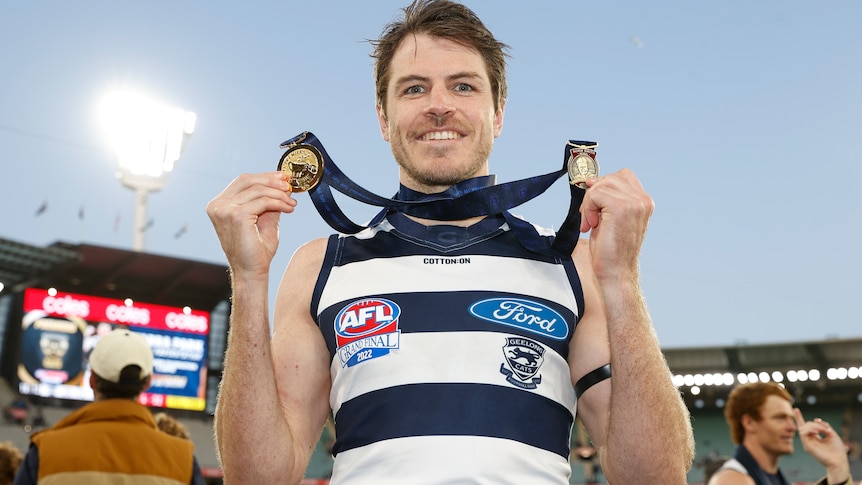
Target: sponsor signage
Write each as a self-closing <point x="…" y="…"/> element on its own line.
<point x="61" y="329"/>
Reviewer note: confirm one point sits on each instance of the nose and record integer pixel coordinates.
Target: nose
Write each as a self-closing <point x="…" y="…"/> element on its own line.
<point x="440" y="102"/>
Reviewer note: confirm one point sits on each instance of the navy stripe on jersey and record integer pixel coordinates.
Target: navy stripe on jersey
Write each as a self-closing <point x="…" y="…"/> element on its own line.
<point x="322" y="277"/>
<point x="572" y="273"/>
<point x="392" y="244"/>
<point x="438" y="410"/>
<point x="449" y="312"/>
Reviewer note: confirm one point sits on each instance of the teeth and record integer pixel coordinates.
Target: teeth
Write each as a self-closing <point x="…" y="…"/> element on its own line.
<point x="441" y="135"/>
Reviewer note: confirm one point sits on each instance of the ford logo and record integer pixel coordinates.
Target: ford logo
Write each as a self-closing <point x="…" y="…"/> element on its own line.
<point x="524" y="314"/>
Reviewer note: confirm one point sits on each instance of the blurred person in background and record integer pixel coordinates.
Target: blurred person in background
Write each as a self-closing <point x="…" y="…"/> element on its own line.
<point x="171" y="425"/>
<point x="10" y="460"/>
<point x="113" y="439"/>
<point x="763" y="423"/>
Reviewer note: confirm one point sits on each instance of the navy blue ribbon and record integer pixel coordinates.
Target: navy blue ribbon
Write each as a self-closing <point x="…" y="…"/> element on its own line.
<point x="471" y="198"/>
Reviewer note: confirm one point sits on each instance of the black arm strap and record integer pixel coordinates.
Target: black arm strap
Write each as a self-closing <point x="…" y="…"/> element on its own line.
<point x="592" y="378"/>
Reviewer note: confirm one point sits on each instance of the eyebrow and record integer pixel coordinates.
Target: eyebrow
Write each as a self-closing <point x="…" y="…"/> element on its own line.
<point x="452" y="77"/>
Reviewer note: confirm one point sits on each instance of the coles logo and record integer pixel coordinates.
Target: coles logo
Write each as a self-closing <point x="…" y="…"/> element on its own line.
<point x="366" y="329"/>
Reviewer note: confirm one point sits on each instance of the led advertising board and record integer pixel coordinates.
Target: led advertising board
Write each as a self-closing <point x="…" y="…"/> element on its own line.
<point x="61" y="329"/>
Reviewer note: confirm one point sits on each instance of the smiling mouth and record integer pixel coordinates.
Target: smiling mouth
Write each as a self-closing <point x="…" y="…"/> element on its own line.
<point x="440" y="135"/>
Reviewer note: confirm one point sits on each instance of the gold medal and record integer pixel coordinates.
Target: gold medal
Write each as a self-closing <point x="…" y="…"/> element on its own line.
<point x="304" y="165"/>
<point x="582" y="164"/>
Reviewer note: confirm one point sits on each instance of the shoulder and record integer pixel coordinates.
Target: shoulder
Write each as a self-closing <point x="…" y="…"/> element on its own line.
<point x="582" y="259"/>
<point x="310" y="253"/>
<point x="307" y="260"/>
<point x="731" y="473"/>
<point x="581" y="255"/>
<point x="299" y="278"/>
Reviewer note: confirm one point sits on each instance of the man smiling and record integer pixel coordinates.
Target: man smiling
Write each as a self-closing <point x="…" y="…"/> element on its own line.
<point x="429" y="375"/>
<point x="763" y="423"/>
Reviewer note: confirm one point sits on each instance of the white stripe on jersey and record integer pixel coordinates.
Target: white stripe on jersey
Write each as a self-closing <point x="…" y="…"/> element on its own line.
<point x="433" y="460"/>
<point x="463" y="357"/>
<point x="394" y="275"/>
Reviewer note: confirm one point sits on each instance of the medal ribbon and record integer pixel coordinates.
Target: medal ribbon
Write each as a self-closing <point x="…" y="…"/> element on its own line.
<point x="473" y="197"/>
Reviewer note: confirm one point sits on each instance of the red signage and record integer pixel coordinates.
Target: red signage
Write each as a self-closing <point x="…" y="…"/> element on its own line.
<point x="131" y="313"/>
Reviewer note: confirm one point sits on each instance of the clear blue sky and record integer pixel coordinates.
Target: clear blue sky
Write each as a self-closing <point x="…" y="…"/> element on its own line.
<point x="741" y="118"/>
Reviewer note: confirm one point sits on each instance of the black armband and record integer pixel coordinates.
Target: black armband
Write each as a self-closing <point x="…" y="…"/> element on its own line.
<point x="825" y="481"/>
<point x="592" y="378"/>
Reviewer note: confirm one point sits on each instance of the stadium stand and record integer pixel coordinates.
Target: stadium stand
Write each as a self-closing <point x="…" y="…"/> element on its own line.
<point x="824" y="377"/>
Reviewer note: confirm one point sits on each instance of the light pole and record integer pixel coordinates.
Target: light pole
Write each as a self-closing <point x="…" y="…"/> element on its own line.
<point x="147" y="138"/>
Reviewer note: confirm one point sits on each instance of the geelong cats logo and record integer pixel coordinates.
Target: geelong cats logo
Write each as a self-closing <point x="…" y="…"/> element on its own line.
<point x="523" y="359"/>
<point x="366" y="329"/>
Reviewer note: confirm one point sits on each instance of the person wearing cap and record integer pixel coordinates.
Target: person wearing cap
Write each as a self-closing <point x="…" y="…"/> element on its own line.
<point x="113" y="439"/>
<point x="763" y="423"/>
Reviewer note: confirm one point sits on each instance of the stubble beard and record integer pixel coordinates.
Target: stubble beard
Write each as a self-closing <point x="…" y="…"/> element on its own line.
<point x="439" y="176"/>
<point x="780" y="449"/>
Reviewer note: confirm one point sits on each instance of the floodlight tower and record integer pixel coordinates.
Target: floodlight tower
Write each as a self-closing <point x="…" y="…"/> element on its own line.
<point x="147" y="138"/>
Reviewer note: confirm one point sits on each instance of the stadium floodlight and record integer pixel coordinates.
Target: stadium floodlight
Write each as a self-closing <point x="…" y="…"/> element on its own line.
<point x="147" y="138"/>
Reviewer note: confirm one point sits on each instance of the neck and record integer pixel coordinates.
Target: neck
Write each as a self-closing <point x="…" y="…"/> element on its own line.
<point x="432" y="222"/>
<point x="766" y="460"/>
<point x="409" y="191"/>
<point x="419" y="189"/>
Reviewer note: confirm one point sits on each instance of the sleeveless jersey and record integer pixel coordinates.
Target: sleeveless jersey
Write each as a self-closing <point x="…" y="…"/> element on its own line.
<point x="449" y="351"/>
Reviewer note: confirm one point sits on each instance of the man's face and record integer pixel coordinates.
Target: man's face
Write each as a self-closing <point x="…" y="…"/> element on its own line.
<point x="440" y="118"/>
<point x="775" y="431"/>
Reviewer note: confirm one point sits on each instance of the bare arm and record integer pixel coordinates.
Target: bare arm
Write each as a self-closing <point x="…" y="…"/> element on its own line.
<point x="637" y="419"/>
<point x="262" y="436"/>
<point x="825" y="445"/>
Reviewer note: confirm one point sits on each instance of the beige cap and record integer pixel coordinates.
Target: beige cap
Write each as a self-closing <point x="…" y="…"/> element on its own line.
<point x="118" y="349"/>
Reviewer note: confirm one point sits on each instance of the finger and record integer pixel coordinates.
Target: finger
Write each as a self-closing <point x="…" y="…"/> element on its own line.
<point x="590" y="211"/>
<point x="250" y="186"/>
<point x="244" y="208"/>
<point x="822" y="428"/>
<point x="590" y="216"/>
<point x="797" y="416"/>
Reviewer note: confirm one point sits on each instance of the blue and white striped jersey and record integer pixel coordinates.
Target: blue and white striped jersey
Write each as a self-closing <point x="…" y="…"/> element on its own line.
<point x="449" y="351"/>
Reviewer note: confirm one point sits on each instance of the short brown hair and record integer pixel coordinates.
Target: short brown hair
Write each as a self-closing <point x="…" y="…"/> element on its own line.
<point x="443" y="19"/>
<point x="171" y="425"/>
<point x="748" y="399"/>
<point x="10" y="460"/>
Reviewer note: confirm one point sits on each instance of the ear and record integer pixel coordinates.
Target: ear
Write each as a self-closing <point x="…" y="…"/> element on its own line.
<point x="498" y="119"/>
<point x="384" y="123"/>
<point x="748" y="423"/>
<point x="92" y="381"/>
<point x="149" y="381"/>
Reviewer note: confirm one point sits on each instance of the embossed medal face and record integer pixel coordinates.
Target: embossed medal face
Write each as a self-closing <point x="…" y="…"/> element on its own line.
<point x="304" y="164"/>
<point x="581" y="167"/>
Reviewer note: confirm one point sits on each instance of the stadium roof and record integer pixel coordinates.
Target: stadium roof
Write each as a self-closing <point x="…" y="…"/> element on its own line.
<point x="113" y="273"/>
<point x="22" y="264"/>
<point x="836" y="366"/>
<point x="778" y="356"/>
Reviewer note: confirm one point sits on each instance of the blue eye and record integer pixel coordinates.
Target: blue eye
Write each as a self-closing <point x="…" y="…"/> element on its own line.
<point x="414" y="90"/>
<point x="462" y="87"/>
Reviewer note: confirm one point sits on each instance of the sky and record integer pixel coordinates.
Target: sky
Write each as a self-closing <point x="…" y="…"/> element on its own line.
<point x="743" y="120"/>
